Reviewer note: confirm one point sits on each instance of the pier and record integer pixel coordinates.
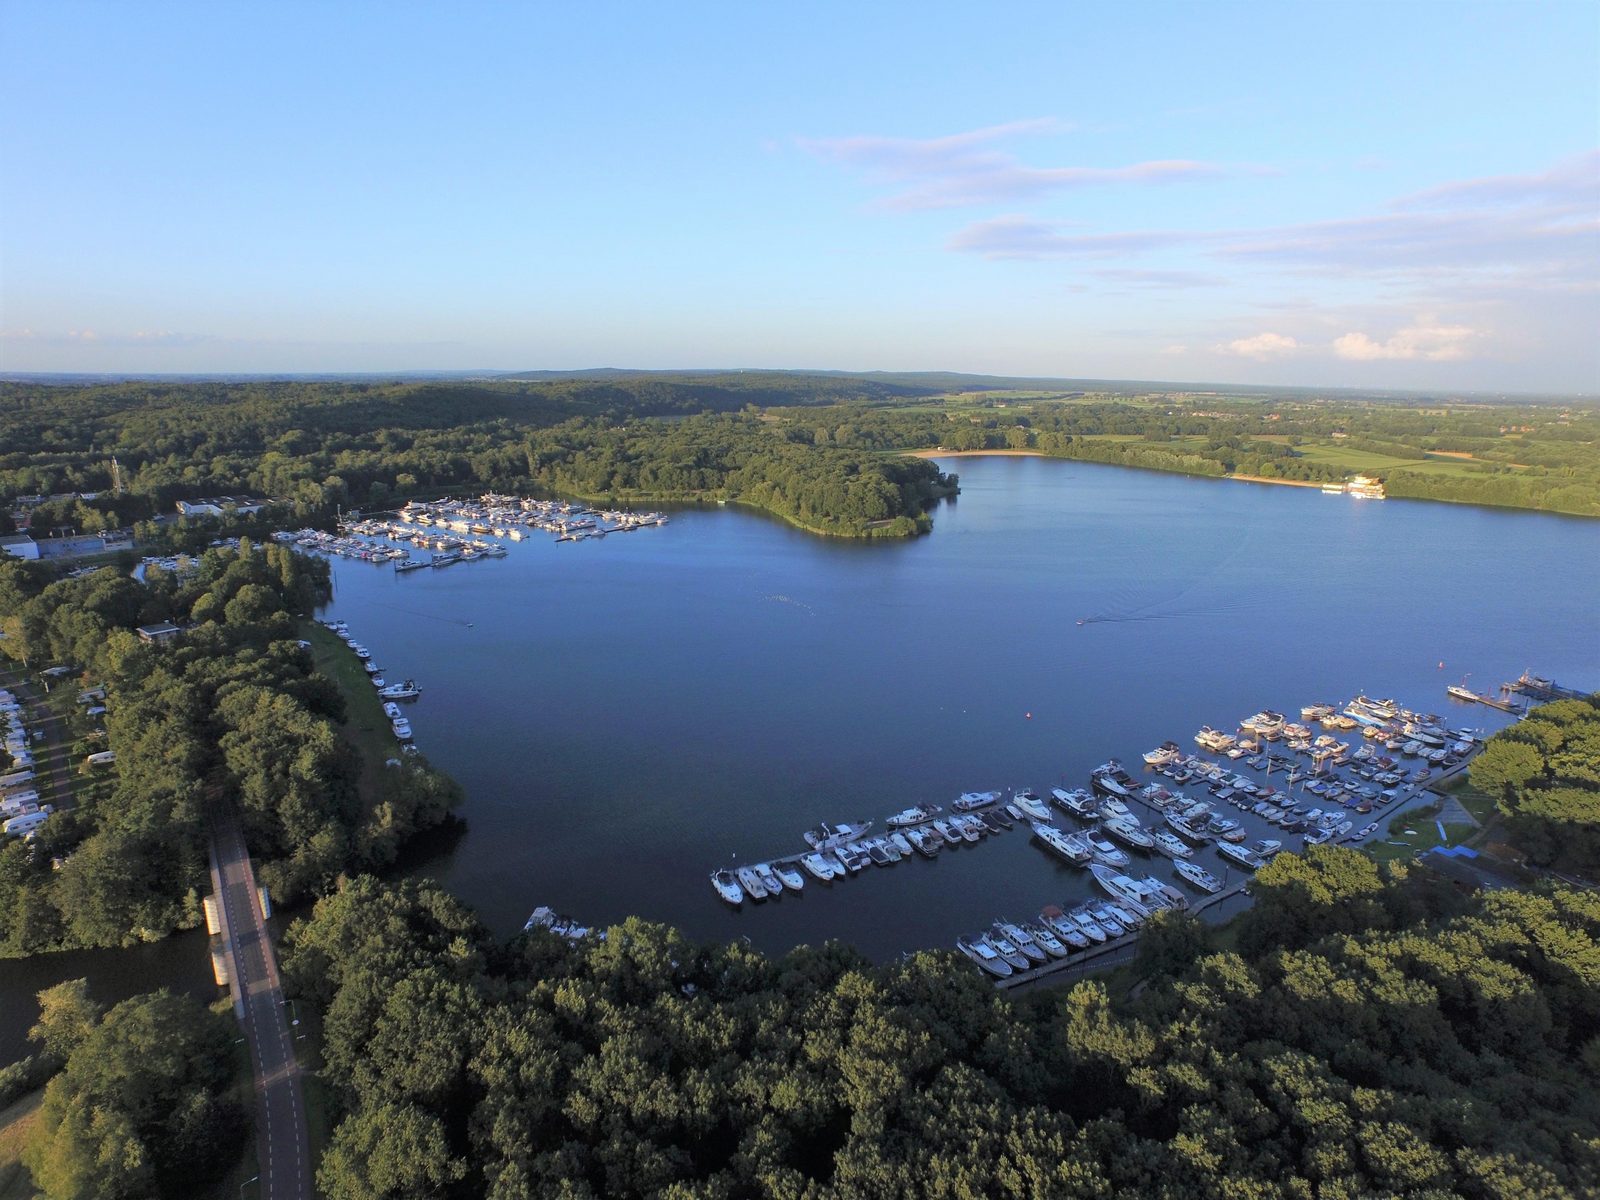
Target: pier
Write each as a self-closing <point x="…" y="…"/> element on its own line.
<point x="1529" y="684"/>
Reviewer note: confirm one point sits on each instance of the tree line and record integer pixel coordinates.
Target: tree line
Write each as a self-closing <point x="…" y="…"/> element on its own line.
<point x="232" y="712"/>
<point x="1544" y="773"/>
<point x="1374" y="1033"/>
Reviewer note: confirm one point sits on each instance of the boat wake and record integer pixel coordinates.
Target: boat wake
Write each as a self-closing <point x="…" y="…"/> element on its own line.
<point x="781" y="599"/>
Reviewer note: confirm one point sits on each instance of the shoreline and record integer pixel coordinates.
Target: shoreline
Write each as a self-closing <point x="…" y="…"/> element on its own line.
<point x="1063" y="458"/>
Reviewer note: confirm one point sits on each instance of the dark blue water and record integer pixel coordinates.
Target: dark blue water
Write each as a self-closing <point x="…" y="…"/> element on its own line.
<point x="628" y="714"/>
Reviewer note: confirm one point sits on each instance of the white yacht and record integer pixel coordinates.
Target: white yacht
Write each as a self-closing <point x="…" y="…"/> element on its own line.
<point x="818" y="867"/>
<point x="1199" y="876"/>
<point x="985" y="955"/>
<point x="1127" y="831"/>
<point x="402" y="728"/>
<point x="792" y="879"/>
<point x="968" y="801"/>
<point x="751" y="882"/>
<point x="1241" y="855"/>
<point x="1031" y="805"/>
<point x="1071" y="848"/>
<point x="914" y="816"/>
<point x="1172" y="846"/>
<point x="727" y="887"/>
<point x="1104" y="852"/>
<point x="1167" y="752"/>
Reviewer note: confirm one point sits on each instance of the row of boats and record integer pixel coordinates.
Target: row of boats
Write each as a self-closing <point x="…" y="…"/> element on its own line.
<point x="389" y="693"/>
<point x="1009" y="947"/>
<point x="493" y="515"/>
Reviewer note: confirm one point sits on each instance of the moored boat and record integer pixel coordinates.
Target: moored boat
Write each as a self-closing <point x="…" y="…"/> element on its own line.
<point x="727" y="886"/>
<point x="1066" y="846"/>
<point x="1197" y="875"/>
<point x="914" y="816"/>
<point x="985" y="955"/>
<point x="1241" y="855"/>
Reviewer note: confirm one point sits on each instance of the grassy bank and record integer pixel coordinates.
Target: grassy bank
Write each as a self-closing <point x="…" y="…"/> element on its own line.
<point x="365" y="727"/>
<point x="15" y="1122"/>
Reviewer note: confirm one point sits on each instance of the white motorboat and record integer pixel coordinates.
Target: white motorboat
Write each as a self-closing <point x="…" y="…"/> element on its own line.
<point x="1167" y="752"/>
<point x="1064" y="927"/>
<point x="751" y="882"/>
<point x="1071" y="848"/>
<point x="985" y="955"/>
<point x="1198" y="876"/>
<point x="1172" y="845"/>
<point x="1022" y="940"/>
<point x="901" y="843"/>
<point x="1241" y="855"/>
<point x="1046" y="937"/>
<point x="1031" y="805"/>
<point x="727" y="887"/>
<point x="1078" y="802"/>
<point x="968" y="801"/>
<point x="817" y="867"/>
<point x="392" y="710"/>
<point x="1127" y="831"/>
<point x="400" y="691"/>
<point x="828" y="837"/>
<point x="769" y="878"/>
<point x="1104" y="852"/>
<point x="914" y="816"/>
<point x="792" y="878"/>
<point x="1006" y="950"/>
<point x="402" y="728"/>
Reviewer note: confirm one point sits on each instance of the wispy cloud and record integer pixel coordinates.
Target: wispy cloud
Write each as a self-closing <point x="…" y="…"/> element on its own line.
<point x="967" y="169"/>
<point x="1017" y="236"/>
<point x="1540" y="227"/>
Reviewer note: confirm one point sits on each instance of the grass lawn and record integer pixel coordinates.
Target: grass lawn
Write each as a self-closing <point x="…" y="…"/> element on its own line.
<point x="365" y="727"/>
<point x="15" y="1182"/>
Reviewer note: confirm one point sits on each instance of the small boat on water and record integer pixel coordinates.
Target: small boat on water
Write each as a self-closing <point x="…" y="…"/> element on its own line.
<point x="1265" y="848"/>
<point x="827" y="837"/>
<point x="769" y="879"/>
<point x="817" y="867"/>
<point x="1046" y="937"/>
<point x="1167" y="752"/>
<point x="751" y="883"/>
<point x="1004" y="948"/>
<point x="968" y="801"/>
<point x="401" y="728"/>
<point x="985" y="955"/>
<point x="1022" y="940"/>
<point x="1030" y="804"/>
<point x="1104" y="852"/>
<point x="1064" y="927"/>
<point x="926" y="841"/>
<point x="791" y="878"/>
<point x="1127" y="831"/>
<point x="914" y="816"/>
<point x="727" y="886"/>
<point x="1073" y="848"/>
<point x="1198" y="876"/>
<point x="901" y="843"/>
<point x="1172" y="845"/>
<point x="1078" y="802"/>
<point x="1241" y="855"/>
<point x="400" y="691"/>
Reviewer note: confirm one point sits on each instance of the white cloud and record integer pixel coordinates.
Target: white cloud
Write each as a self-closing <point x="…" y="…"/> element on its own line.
<point x="1429" y="341"/>
<point x="1263" y="347"/>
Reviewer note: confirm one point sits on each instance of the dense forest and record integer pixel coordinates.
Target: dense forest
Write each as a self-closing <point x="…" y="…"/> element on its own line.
<point x="230" y="713"/>
<point x="1544" y="771"/>
<point x="1374" y="1033"/>
<point x="813" y="449"/>
<point x="139" y="1104"/>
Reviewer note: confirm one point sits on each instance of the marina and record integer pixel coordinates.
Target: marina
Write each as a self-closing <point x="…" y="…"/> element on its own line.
<point x="1325" y="778"/>
<point x="707" y="693"/>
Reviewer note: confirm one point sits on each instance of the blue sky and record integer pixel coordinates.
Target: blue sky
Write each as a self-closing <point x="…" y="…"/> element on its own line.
<point x="1383" y="194"/>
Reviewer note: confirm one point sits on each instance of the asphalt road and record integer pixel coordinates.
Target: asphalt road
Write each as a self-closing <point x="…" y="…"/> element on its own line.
<point x="283" y="1148"/>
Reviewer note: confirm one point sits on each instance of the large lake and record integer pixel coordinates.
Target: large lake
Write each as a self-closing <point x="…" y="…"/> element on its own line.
<point x="628" y="714"/>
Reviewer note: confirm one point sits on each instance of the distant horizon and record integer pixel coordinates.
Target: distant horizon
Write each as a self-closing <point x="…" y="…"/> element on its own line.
<point x="991" y="380"/>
